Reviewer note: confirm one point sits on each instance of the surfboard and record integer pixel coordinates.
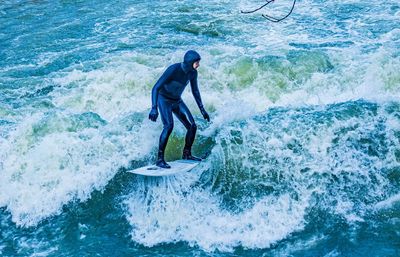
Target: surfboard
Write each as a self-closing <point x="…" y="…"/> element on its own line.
<point x="177" y="166"/>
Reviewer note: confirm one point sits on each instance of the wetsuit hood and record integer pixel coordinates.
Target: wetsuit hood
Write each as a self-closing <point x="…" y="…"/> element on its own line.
<point x="190" y="57"/>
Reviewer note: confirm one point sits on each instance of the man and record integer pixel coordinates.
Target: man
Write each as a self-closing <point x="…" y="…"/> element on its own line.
<point x="166" y="95"/>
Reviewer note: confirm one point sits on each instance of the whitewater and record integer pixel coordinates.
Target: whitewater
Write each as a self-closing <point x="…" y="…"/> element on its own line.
<point x="303" y="147"/>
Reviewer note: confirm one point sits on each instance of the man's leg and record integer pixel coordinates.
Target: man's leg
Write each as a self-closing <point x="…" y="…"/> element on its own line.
<point x="184" y="115"/>
<point x="165" y="109"/>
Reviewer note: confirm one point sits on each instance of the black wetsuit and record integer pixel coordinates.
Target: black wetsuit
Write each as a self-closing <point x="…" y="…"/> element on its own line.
<point x="166" y="95"/>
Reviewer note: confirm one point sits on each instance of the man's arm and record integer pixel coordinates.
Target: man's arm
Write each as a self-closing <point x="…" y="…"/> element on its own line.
<point x="196" y="91"/>
<point x="154" y="92"/>
<point x="161" y="81"/>
<point x="197" y="97"/>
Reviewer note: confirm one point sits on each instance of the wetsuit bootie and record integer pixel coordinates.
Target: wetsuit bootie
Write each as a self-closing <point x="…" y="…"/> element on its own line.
<point x="162" y="164"/>
<point x="187" y="155"/>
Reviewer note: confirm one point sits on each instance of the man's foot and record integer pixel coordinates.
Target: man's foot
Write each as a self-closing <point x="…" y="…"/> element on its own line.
<point x="162" y="164"/>
<point x="187" y="155"/>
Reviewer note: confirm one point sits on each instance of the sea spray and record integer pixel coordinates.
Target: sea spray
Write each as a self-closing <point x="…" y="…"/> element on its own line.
<point x="304" y="138"/>
<point x="286" y="162"/>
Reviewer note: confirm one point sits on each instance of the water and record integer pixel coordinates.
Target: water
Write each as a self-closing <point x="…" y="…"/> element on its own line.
<point x="304" y="143"/>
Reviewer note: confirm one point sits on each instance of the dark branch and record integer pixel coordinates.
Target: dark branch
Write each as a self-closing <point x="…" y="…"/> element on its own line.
<point x="268" y="17"/>
<point x="255" y="10"/>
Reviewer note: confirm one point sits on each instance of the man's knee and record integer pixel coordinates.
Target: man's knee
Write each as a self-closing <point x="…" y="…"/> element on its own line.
<point x="193" y="126"/>
<point x="169" y="127"/>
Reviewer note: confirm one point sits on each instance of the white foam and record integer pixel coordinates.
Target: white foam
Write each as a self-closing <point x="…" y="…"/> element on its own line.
<point x="388" y="203"/>
<point x="43" y="172"/>
<point x="111" y="93"/>
<point x="172" y="211"/>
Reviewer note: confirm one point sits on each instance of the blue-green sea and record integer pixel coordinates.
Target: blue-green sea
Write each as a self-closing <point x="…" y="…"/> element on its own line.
<point x="302" y="154"/>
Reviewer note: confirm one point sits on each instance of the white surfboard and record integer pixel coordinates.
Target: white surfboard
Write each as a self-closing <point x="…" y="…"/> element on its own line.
<point x="177" y="166"/>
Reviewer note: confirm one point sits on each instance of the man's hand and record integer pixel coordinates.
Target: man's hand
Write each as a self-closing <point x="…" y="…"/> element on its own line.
<point x="153" y="114"/>
<point x="205" y="114"/>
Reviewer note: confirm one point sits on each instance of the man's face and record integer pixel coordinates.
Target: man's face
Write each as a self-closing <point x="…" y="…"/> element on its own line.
<point x="196" y="65"/>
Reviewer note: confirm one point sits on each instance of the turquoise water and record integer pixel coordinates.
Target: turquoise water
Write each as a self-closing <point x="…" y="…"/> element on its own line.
<point x="303" y="148"/>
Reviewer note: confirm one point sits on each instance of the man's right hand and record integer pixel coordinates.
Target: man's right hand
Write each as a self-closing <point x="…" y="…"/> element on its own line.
<point x="153" y="114"/>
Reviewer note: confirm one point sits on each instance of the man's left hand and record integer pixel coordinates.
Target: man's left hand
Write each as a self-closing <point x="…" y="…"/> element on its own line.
<point x="205" y="115"/>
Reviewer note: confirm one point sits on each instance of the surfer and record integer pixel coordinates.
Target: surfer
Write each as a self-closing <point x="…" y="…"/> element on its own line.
<point x="166" y="96"/>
